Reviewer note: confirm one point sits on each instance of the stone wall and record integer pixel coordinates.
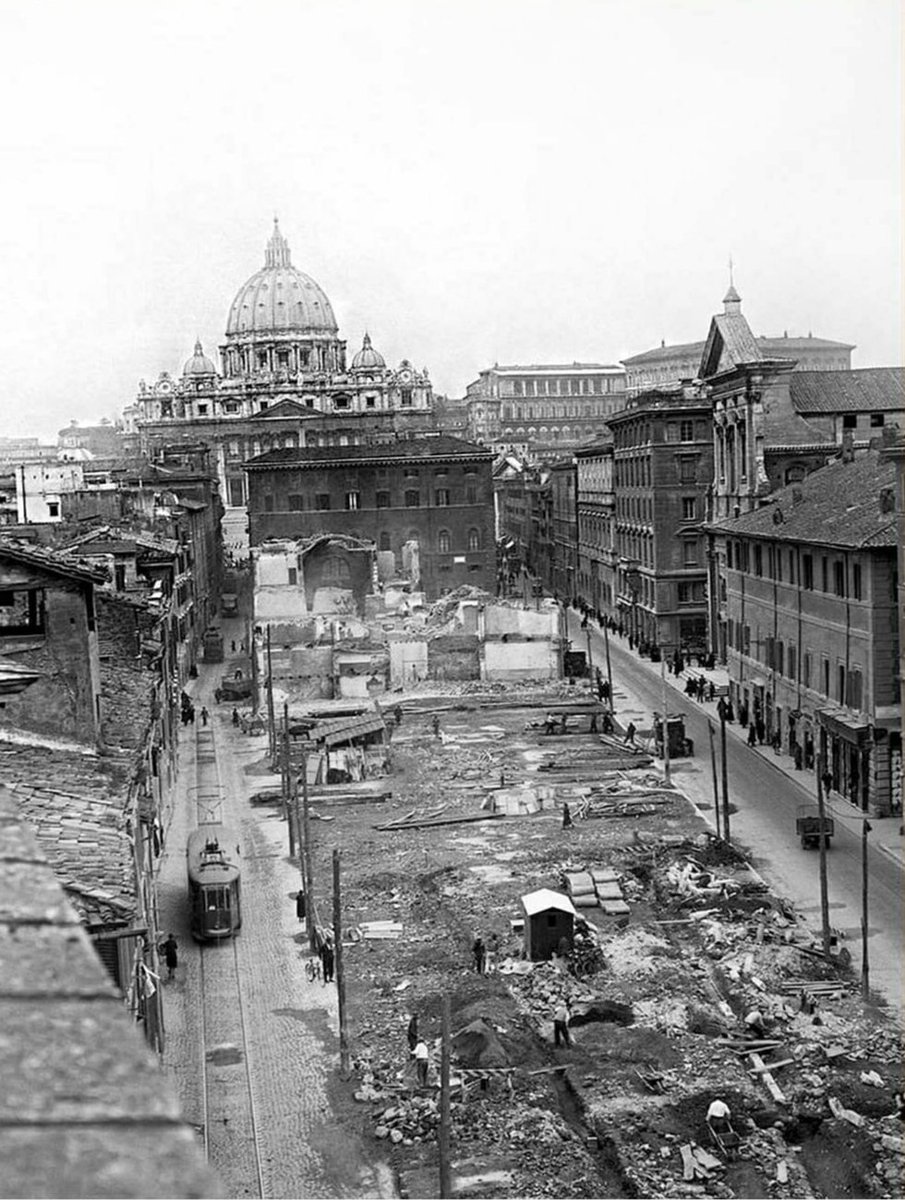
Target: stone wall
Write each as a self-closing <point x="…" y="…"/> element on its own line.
<point x="126" y="684"/>
<point x="454" y="657"/>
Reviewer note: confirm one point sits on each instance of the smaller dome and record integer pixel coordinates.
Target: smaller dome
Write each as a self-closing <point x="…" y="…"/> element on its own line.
<point x="199" y="363"/>
<point x="367" y="358"/>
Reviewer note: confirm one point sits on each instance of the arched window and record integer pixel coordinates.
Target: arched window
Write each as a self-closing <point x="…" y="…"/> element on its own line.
<point x="474" y="539"/>
<point x="443" y="542"/>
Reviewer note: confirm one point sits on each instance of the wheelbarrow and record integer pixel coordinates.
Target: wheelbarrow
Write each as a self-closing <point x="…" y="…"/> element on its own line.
<point x="723" y="1135"/>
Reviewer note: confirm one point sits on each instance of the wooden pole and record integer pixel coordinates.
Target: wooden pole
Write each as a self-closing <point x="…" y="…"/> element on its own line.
<point x="590" y="659"/>
<point x="338" y="968"/>
<point x="271" y="715"/>
<point x="443" y="1133"/>
<point x="824" y="890"/>
<point x="665" y="723"/>
<point x="306" y="851"/>
<point x="865" y="927"/>
<point x="609" y="669"/>
<point x="285" y="778"/>
<point x="297" y="817"/>
<point x="716" y="786"/>
<point x="724" y="764"/>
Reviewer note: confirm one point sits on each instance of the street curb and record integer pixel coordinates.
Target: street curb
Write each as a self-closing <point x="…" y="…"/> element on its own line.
<point x="894" y="853"/>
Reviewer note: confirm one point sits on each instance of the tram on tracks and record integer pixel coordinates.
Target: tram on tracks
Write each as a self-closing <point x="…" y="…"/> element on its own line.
<point x="212" y="854"/>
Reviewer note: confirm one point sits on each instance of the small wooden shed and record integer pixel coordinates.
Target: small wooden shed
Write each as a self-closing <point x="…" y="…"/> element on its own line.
<point x="549" y="917"/>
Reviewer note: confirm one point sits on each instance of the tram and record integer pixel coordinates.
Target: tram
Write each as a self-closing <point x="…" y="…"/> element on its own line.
<point x="215" y="882"/>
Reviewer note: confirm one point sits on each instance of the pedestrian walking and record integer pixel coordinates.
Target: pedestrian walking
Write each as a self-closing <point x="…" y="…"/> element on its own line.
<point x="566" y="815"/>
<point x="435" y="725"/>
<point x="301" y="905"/>
<point x="170" y="952"/>
<point x="233" y="645"/>
<point x="397" y="715"/>
<point x="479" y="954"/>
<point x="630" y="734"/>
<point x="605" y="691"/>
<point x="711" y="691"/>
<point x="204" y="715"/>
<point x="827" y="780"/>
<point x="493" y="954"/>
<point x="236" y="717"/>
<point x="411" y="1032"/>
<point x="561" y="1018"/>
<point x="799" y="756"/>
<point x="752" y="735"/>
<point x="327" y="959"/>
<point x="422" y="1060"/>
<point x="761" y="728"/>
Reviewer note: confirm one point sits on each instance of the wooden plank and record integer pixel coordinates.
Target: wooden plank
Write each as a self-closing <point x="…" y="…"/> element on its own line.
<point x="706" y="1159"/>
<point x="691" y="1168"/>
<point x="764" y="1071"/>
<point x="773" y="1066"/>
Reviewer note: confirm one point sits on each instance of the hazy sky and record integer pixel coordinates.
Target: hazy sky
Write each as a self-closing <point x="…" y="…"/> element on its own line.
<point x="470" y="181"/>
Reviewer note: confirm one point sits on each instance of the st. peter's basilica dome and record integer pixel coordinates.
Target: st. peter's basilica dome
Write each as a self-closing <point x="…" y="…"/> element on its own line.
<point x="279" y="298"/>
<point x="199" y="365"/>
<point x="367" y="358"/>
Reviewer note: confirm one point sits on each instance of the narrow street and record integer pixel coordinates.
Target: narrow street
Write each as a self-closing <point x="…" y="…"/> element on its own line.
<point x="284" y="1048"/>
<point x="764" y="800"/>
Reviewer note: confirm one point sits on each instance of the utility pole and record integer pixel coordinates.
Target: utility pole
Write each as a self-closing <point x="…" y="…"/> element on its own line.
<point x="865" y="929"/>
<point x="721" y="708"/>
<point x="587" y="630"/>
<point x="824" y="892"/>
<point x="338" y="964"/>
<point x="665" y="723"/>
<point x="716" y="786"/>
<point x="306" y="853"/>
<point x="271" y="716"/>
<point x="443" y="1133"/>
<point x="297" y="818"/>
<point x="609" y="669"/>
<point x="285" y="777"/>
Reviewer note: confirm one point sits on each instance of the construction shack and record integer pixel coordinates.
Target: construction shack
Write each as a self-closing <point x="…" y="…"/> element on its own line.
<point x="549" y="917"/>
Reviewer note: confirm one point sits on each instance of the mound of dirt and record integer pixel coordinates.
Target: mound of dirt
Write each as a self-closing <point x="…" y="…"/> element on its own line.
<point x="478" y="1045"/>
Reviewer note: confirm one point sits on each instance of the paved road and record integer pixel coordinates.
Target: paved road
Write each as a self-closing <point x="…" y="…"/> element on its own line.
<point x="764" y="823"/>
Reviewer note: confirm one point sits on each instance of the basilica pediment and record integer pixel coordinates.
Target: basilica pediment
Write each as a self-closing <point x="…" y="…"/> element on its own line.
<point x="286" y="408"/>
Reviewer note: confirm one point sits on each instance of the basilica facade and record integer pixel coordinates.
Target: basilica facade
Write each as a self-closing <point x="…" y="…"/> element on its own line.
<point x="282" y="382"/>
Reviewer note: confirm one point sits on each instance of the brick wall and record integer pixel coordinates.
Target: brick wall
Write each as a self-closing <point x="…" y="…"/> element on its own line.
<point x="126" y="684"/>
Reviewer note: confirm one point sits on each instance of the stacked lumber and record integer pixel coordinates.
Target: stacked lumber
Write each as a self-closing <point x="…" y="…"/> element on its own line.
<point x="598" y="887"/>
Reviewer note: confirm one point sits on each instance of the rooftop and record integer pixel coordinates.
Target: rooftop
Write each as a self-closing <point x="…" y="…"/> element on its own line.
<point x="55" y="561"/>
<point x="868" y="389"/>
<point x="575" y="368"/>
<point x="839" y="505"/>
<point x="442" y="447"/>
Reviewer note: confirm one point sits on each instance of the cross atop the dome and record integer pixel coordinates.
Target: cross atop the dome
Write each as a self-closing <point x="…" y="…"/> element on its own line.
<point x="277" y="252"/>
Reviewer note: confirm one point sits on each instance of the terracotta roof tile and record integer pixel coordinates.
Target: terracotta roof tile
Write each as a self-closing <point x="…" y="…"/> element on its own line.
<point x="872" y="389"/>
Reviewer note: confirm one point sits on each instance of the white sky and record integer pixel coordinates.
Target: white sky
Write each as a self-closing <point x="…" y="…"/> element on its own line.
<point x="500" y="180"/>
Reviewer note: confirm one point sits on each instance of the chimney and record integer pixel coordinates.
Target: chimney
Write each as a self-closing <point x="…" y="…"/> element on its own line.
<point x="797" y="494"/>
<point x="887" y="499"/>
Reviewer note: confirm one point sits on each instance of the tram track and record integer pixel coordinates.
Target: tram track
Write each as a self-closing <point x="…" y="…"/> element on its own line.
<point x="230" y="1123"/>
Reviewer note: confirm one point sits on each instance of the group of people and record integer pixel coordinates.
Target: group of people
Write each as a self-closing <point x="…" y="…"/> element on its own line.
<point x="699" y="687"/>
<point x="325" y="950"/>
<point x="485" y="955"/>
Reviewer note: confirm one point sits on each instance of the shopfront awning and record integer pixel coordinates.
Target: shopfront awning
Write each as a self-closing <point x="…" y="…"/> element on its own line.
<point x="843" y="723"/>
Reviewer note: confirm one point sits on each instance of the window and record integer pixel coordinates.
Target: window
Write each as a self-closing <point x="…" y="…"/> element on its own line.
<point x="779" y="661"/>
<point x="689" y="508"/>
<point x="296" y="502"/>
<point x="691" y="553"/>
<point x="672" y="433"/>
<point x="293" y="576"/>
<point x="443" y="542"/>
<point x="268" y="503"/>
<point x="353" y="501"/>
<point x="824" y="574"/>
<point x="383" y="499"/>
<point x="806" y="669"/>
<point x="21" y="613"/>
<point x="791" y="566"/>
<point x="406" y="397"/>
<point x="474" y="539"/>
<point x="202" y="410"/>
<point x="849" y="420"/>
<point x="265" y="404"/>
<point x="686" y="431"/>
<point x="876" y="420"/>
<point x="686" y="470"/>
<point x="792" y="654"/>
<point x="856" y="581"/>
<point x="370" y="402"/>
<point x="53" y="508"/>
<point x="729" y="551"/>
<point x="839" y="578"/>
<point x="442" y="497"/>
<point x="412" y="498"/>
<point x="471" y="492"/>
<point x="855" y="688"/>
<point x="384" y="542"/>
<point x="840" y="683"/>
<point x="807" y="573"/>
<point x="340" y="401"/>
<point x="826" y="676"/>
<point x="685" y="593"/>
<point x="322" y="501"/>
<point x="758" y="560"/>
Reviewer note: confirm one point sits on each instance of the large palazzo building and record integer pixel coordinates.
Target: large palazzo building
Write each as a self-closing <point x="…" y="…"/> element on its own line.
<point x="283" y="381"/>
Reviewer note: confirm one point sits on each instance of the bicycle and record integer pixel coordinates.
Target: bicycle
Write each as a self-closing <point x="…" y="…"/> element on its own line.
<point x="313" y="969"/>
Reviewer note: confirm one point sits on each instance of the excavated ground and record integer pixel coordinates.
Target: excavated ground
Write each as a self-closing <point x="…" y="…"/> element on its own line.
<point x="654" y="1024"/>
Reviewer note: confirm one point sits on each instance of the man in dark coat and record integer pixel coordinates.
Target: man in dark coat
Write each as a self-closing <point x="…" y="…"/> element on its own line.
<point x="300" y="905"/>
<point x="327" y="959"/>
<point x="169" y="950"/>
<point x="479" y="954"/>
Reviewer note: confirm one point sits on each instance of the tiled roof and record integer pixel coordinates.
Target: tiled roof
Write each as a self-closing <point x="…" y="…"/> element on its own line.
<point x="785" y="347"/>
<point x="562" y="368"/>
<point x="111" y="539"/>
<point x="423" y="447"/>
<point x="75" y="804"/>
<point x="869" y="389"/>
<point x="788" y="429"/>
<point x="692" y="350"/>
<point x="57" y="562"/>
<point x="838" y="506"/>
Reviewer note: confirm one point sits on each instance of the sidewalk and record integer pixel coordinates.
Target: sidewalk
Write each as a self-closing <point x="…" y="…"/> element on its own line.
<point x="887" y="831"/>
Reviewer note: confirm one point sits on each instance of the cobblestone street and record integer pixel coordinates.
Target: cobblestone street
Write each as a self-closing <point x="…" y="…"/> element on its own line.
<point x="290" y="1024"/>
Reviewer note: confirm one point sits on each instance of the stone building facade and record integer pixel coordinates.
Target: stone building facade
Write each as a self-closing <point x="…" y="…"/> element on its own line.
<point x="427" y="497"/>
<point x="596" y="505"/>
<point x="546" y="409"/>
<point x="813" y="625"/>
<point x="662" y="471"/>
